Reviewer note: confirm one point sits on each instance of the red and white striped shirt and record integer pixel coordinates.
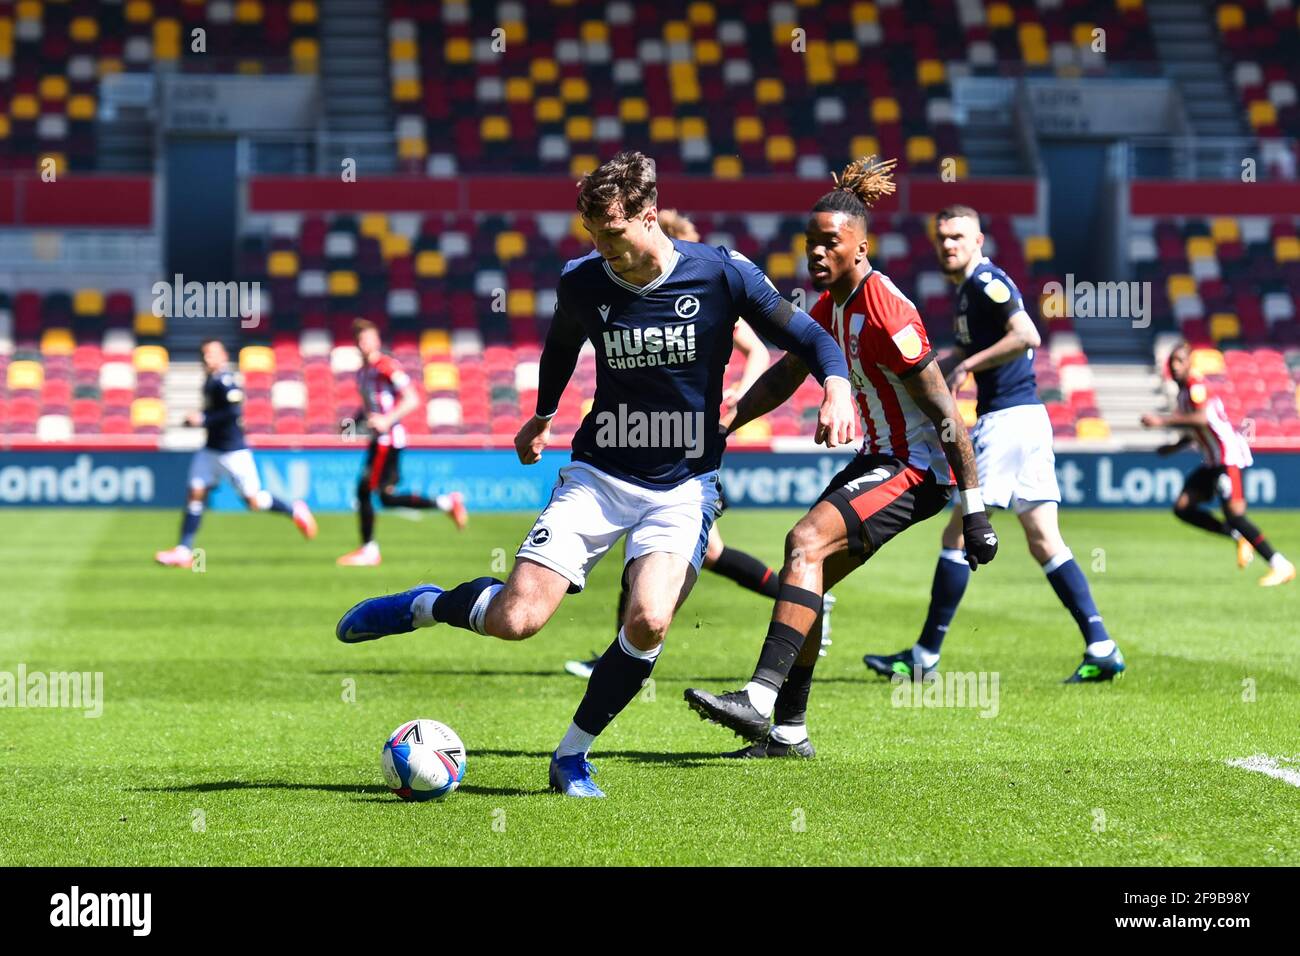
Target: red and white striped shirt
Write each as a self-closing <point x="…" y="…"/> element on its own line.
<point x="381" y="385"/>
<point x="1219" y="442"/>
<point x="883" y="340"/>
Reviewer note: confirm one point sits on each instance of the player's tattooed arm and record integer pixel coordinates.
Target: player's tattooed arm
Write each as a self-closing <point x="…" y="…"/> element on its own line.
<point x="773" y="388"/>
<point x="931" y="394"/>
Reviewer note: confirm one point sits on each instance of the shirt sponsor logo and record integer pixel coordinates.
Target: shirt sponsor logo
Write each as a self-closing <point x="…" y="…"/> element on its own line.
<point x="644" y="348"/>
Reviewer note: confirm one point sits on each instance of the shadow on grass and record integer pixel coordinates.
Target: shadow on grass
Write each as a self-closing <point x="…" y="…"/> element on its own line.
<point x="365" y="791"/>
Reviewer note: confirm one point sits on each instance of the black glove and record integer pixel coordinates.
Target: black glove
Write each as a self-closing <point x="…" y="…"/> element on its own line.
<point x="981" y="540"/>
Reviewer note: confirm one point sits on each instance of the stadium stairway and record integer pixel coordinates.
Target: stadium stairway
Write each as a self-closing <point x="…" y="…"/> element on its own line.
<point x="354" y="84"/>
<point x="1188" y="45"/>
<point x="183" y="385"/>
<point x="1124" y="391"/>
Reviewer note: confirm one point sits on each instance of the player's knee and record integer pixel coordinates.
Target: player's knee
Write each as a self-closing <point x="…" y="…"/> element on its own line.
<point x="805" y="542"/>
<point x="647" y="626"/>
<point x="514" y="620"/>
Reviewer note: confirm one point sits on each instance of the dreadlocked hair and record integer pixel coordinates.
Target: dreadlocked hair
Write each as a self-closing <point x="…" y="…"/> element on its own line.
<point x="859" y="187"/>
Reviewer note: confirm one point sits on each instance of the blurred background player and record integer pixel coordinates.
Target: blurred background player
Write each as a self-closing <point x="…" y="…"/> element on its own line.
<point x="1202" y="419"/>
<point x="996" y="339"/>
<point x="914" y="444"/>
<point x="225" y="453"/>
<point x="389" y="397"/>
<point x="740" y="566"/>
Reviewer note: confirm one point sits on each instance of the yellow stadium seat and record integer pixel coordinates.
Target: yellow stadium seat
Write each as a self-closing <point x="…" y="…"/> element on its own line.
<point x="25" y="375"/>
<point x="4" y="127"/>
<point x="24" y="107"/>
<point x="148" y="413"/>
<point x="405" y="90"/>
<point x="930" y="72"/>
<point x="108" y="65"/>
<point x="494" y="129"/>
<point x="373" y="224"/>
<point x="394" y="244"/>
<point x="343" y="282"/>
<point x="633" y="109"/>
<point x="1031" y="34"/>
<point x="256" y="358"/>
<point x="1127" y="6"/>
<point x="1208" y="362"/>
<point x="81" y="107"/>
<point x="510" y="245"/>
<point x="441" y="377"/>
<point x="1081" y="34"/>
<point x="403" y="49"/>
<point x="430" y="264"/>
<point x="844" y="52"/>
<point x="676" y="31"/>
<point x="783" y="34"/>
<point x="1179" y="286"/>
<point x="708" y="52"/>
<point x="1200" y="247"/>
<point x="88" y="302"/>
<point x="999" y="15"/>
<point x="1094" y="429"/>
<point x="682" y="83"/>
<point x="434" y="342"/>
<point x="594" y="31"/>
<point x="864" y="146"/>
<point x="1262" y="113"/>
<point x="515" y="30"/>
<point x="865" y="13"/>
<point x="150" y="358"/>
<point x="57" y="342"/>
<point x="663" y="129"/>
<point x="548" y="109"/>
<point x="921" y="149"/>
<point x="519" y="89"/>
<point x="747" y="129"/>
<point x="769" y="90"/>
<point x="818" y="68"/>
<point x="727" y="167"/>
<point x="58" y="159"/>
<point x="29" y="10"/>
<point x="884" y="109"/>
<point x="780" y="149"/>
<point x="693" y="127"/>
<point x="148" y="325"/>
<point x="755" y="432"/>
<point x="1225" y="229"/>
<point x="701" y="14"/>
<point x="458" y="50"/>
<point x="543" y="71"/>
<point x="579" y="129"/>
<point x="282" y="264"/>
<point x="1038" y="248"/>
<point x="521" y="302"/>
<point x="1224" y="325"/>
<point x="248" y="11"/>
<point x="166" y="39"/>
<point x="780" y="265"/>
<point x="83" y="29"/>
<point x="960" y="167"/>
<point x="53" y="88"/>
<point x="582" y="164"/>
<point x="303" y="11"/>
<point x="574" y="89"/>
<point x="306" y="54"/>
<point x="139" y="11"/>
<point x="1286" y="249"/>
<point x="966" y="406"/>
<point x="1230" y="17"/>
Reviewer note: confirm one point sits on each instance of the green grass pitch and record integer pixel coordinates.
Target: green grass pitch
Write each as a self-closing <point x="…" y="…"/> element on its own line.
<point x="226" y="736"/>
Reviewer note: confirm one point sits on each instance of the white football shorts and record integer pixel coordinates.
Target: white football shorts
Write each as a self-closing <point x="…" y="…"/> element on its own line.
<point x="208" y="465"/>
<point x="1013" y="452"/>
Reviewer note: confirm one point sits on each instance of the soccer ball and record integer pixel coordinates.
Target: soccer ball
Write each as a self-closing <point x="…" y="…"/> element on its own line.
<point x="423" y="760"/>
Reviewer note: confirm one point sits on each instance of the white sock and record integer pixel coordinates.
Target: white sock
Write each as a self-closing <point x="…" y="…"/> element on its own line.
<point x="927" y="659"/>
<point x="479" y="611"/>
<point x="763" y="698"/>
<point x="443" y="502"/>
<point x="1236" y="535"/>
<point x="370" y="548"/>
<point x="1278" y="561"/>
<point x="631" y="650"/>
<point x="790" y="733"/>
<point x="1100" y="648"/>
<point x="576" y="741"/>
<point x="422" y="608"/>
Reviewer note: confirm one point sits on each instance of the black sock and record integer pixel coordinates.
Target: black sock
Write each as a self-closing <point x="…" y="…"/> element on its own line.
<point x="366" y="508"/>
<point x="783" y="643"/>
<point x="792" y="700"/>
<point x="1202" y="519"/>
<point x="616" y="679"/>
<point x="406" y="501"/>
<point x="747" y="571"/>
<point x="453" y="607"/>
<point x="1247" y="529"/>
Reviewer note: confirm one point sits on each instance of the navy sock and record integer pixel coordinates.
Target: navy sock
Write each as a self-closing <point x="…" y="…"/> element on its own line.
<point x="190" y="525"/>
<point x="1072" y="588"/>
<point x="783" y="643"/>
<point x="747" y="571"/>
<point x="453" y="607"/>
<point x="616" y="679"/>
<point x="951" y="575"/>
<point x="280" y="505"/>
<point x="792" y="700"/>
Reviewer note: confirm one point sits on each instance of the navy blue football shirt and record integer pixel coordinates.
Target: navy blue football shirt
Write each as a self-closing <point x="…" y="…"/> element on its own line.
<point x="985" y="301"/>
<point x="661" y="353"/>
<point x="222" y="409"/>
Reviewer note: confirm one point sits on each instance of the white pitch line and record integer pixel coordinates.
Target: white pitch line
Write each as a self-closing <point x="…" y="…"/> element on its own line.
<point x="1262" y="763"/>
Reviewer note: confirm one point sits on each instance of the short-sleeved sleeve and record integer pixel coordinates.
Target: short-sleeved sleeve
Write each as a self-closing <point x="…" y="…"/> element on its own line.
<point x="1198" y="393"/>
<point x="895" y="334"/>
<point x="1002" y="293"/>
